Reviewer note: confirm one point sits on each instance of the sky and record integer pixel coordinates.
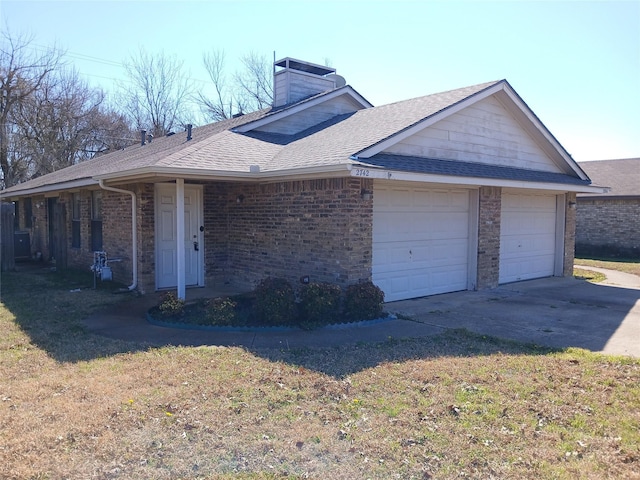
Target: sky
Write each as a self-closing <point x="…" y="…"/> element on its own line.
<point x="575" y="63"/>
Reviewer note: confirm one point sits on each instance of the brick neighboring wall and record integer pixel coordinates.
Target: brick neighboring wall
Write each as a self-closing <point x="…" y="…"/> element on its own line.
<point x="608" y="226"/>
<point x="569" y="234"/>
<point x="320" y="228"/>
<point x="490" y="212"/>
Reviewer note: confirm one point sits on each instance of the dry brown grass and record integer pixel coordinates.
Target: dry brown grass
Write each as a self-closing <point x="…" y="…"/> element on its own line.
<point x="73" y="405"/>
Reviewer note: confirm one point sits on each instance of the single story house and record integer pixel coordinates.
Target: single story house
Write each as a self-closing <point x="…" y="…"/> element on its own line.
<point x="609" y="224"/>
<point x="464" y="189"/>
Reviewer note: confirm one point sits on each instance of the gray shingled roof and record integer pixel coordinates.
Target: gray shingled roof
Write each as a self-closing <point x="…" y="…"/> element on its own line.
<point x="218" y="149"/>
<point x="622" y="176"/>
<point x="467" y="169"/>
<point x="347" y="135"/>
<point x="138" y="156"/>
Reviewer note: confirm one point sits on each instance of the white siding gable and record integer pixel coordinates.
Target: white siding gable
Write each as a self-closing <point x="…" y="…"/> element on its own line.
<point x="484" y="132"/>
<point x="312" y="115"/>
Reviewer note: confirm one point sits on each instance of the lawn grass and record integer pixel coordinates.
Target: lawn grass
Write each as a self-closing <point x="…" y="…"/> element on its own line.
<point x="620" y="264"/>
<point x="457" y="405"/>
<point x="589" y="275"/>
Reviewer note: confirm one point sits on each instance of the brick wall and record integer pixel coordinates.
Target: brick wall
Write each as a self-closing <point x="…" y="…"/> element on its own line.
<point x="217" y="202"/>
<point x="490" y="205"/>
<point x="569" y="233"/>
<point x="608" y="227"/>
<point x="146" y="236"/>
<point x="319" y="228"/>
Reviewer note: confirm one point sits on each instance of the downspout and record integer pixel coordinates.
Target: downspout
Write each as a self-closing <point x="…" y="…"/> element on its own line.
<point x="134" y="231"/>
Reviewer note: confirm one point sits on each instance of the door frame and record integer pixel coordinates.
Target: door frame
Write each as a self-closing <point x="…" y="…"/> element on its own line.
<point x="199" y="190"/>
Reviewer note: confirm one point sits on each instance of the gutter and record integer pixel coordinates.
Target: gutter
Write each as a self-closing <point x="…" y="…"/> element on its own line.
<point x="134" y="230"/>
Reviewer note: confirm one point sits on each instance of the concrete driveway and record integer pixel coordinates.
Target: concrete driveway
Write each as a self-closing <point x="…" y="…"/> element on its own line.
<point x="556" y="312"/>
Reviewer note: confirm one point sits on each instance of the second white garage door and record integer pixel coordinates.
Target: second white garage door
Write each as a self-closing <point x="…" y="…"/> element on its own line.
<point x="527" y="236"/>
<point x="420" y="240"/>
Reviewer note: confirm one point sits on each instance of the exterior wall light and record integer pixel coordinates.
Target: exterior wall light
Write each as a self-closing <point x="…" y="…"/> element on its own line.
<point x="366" y="194"/>
<point x="572" y="205"/>
<point x="240" y="198"/>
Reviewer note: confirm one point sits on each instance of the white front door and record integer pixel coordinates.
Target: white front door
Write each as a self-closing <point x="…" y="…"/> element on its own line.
<point x="166" y="239"/>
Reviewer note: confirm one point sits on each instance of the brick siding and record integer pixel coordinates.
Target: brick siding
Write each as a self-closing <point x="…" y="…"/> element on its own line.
<point x="608" y="226"/>
<point x="490" y="206"/>
<point x="316" y="228"/>
<point x="569" y="234"/>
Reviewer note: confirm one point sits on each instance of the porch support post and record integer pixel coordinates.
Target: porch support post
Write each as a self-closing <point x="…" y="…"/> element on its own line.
<point x="180" y="254"/>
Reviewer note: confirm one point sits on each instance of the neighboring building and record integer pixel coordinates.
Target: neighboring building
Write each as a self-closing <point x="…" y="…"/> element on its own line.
<point x="609" y="224"/>
<point x="464" y="189"/>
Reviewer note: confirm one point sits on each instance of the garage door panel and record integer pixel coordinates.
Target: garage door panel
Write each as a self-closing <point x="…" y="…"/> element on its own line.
<point x="421" y="226"/>
<point x="420" y="241"/>
<point x="527" y="237"/>
<point x="527" y="246"/>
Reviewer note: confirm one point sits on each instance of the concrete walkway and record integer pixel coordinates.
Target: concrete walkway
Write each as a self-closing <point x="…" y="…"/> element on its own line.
<point x="555" y="312"/>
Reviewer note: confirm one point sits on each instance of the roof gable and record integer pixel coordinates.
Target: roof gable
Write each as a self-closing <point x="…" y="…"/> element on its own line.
<point x="292" y="119"/>
<point x="518" y="114"/>
<point x="484" y="132"/>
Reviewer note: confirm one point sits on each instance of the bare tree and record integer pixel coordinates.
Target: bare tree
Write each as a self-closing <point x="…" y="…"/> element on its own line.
<point x="157" y="95"/>
<point x="251" y="88"/>
<point x="256" y="80"/>
<point x="64" y="122"/>
<point x="220" y="106"/>
<point x="22" y="73"/>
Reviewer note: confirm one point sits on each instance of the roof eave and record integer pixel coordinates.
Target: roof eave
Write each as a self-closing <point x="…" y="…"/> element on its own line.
<point x="169" y="173"/>
<point x="470" y="181"/>
<point x="543" y="130"/>
<point x="55" y="187"/>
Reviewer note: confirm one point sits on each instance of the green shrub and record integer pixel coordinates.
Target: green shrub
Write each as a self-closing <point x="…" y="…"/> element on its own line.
<point x="220" y="311"/>
<point x="363" y="301"/>
<point x="171" y="305"/>
<point x="275" y="302"/>
<point x="319" y="304"/>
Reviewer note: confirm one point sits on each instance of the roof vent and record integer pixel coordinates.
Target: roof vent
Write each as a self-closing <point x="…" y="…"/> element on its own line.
<point x="189" y="127"/>
<point x="254" y="168"/>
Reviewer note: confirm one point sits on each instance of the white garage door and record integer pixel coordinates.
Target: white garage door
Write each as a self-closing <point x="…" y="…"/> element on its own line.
<point x="527" y="236"/>
<point x="420" y="240"/>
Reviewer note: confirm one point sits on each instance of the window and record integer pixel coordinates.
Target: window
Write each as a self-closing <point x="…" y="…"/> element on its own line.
<point x="28" y="213"/>
<point x="96" y="220"/>
<point x="75" y="220"/>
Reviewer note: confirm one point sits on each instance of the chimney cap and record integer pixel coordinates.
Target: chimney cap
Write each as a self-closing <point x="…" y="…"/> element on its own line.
<point x="303" y="66"/>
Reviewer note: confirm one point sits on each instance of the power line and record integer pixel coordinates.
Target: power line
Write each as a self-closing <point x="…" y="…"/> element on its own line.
<point x="103" y="61"/>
